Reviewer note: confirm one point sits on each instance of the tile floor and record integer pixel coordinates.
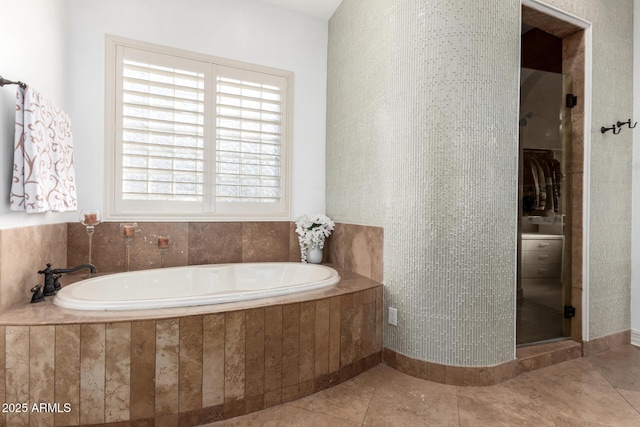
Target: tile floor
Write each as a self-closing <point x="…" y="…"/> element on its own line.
<point x="601" y="390"/>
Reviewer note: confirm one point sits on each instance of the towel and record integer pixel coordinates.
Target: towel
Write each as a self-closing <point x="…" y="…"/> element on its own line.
<point x="43" y="166"/>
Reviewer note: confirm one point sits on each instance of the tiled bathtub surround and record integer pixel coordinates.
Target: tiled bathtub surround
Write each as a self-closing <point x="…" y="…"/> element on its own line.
<point x="190" y="369"/>
<point x="24" y="251"/>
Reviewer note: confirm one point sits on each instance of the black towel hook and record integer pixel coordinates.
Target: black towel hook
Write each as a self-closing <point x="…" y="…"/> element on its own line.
<point x="613" y="128"/>
<point x="628" y="123"/>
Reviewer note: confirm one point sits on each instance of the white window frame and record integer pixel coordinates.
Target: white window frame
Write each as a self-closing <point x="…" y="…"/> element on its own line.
<point x="207" y="210"/>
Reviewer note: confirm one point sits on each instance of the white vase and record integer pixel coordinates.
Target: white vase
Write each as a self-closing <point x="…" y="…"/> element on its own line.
<point x="314" y="255"/>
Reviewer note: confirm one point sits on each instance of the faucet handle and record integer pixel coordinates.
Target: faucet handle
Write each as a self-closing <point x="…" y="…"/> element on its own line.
<point x="47" y="270"/>
<point x="56" y="282"/>
<point x="37" y="294"/>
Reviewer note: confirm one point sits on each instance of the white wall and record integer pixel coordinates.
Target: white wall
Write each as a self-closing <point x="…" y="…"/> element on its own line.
<point x="635" y="223"/>
<point x="57" y="46"/>
<point x="243" y="30"/>
<point x="33" y="50"/>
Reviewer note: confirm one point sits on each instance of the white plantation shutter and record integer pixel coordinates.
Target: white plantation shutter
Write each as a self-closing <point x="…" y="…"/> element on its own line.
<point x="248" y="136"/>
<point x="197" y="137"/>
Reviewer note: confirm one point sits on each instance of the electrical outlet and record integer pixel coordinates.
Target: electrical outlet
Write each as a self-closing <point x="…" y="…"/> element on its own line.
<point x="393" y="316"/>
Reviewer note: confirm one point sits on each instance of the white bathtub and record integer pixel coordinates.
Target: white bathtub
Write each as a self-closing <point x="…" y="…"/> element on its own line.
<point x="194" y="285"/>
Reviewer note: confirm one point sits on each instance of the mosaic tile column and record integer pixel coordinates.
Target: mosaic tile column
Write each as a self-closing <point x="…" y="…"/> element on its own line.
<point x="422" y="140"/>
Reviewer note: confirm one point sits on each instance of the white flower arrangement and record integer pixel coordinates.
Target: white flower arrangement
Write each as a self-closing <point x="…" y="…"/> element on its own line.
<point x="312" y="231"/>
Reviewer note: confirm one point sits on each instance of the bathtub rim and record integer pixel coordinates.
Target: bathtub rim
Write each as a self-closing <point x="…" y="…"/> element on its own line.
<point x="76" y="304"/>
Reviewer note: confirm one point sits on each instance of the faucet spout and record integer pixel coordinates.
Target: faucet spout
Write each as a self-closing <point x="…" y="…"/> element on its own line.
<point x="51" y="276"/>
<point x="91" y="267"/>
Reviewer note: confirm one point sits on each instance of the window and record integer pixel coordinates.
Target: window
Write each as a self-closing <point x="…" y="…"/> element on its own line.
<point x="194" y="136"/>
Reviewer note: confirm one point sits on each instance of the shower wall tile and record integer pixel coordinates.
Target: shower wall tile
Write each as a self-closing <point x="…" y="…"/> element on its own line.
<point x="67" y="374"/>
<point x="41" y="371"/>
<point x="143" y="369"/>
<point x="117" y="371"/>
<point x="167" y="366"/>
<point x="213" y="360"/>
<point x="92" y="374"/>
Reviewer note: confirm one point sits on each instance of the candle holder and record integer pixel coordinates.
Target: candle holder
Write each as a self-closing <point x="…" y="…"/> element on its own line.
<point x="90" y="218"/>
<point x="128" y="231"/>
<point x="163" y="245"/>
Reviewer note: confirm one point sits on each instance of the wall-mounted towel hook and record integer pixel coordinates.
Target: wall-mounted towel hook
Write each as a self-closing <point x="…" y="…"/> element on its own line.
<point x="613" y="128"/>
<point x="628" y="123"/>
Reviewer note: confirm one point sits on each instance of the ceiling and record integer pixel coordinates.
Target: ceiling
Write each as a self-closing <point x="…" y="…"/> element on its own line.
<point x="322" y="9"/>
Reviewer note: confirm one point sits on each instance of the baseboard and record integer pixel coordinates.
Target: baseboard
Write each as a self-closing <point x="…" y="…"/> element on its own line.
<point x="635" y="337"/>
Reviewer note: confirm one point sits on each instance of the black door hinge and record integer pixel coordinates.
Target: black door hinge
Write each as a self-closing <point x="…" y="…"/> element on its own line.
<point x="569" y="311"/>
<point x="572" y="100"/>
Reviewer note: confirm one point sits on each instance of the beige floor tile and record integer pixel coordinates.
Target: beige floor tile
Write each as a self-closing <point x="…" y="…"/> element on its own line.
<point x="621" y="367"/>
<point x="285" y="415"/>
<point x="633" y="397"/>
<point x="349" y="400"/>
<point x="572" y="422"/>
<point x="580" y="370"/>
<point x="586" y="402"/>
<point x="514" y="402"/>
<point x="403" y="400"/>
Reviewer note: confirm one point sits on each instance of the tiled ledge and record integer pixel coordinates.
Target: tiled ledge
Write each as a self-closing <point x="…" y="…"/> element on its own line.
<point x="46" y="313"/>
<point x="609" y="342"/>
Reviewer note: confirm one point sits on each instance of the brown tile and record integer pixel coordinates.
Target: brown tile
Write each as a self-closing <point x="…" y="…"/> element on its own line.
<point x="322" y="333"/>
<point x="294" y="244"/>
<point x="21" y="249"/>
<point x="167" y="367"/>
<point x="265" y="241"/>
<point x="272" y="351"/>
<point x="143" y="369"/>
<point x="358" y="324"/>
<point x="306" y="388"/>
<point x="108" y="247"/>
<point x="67" y="374"/>
<point x="54" y="244"/>
<point x="376" y="243"/>
<point x="479" y="376"/>
<point x="189" y="418"/>
<point x="335" y="311"/>
<point x="234" y="408"/>
<point x="290" y="346"/>
<point x="234" y="366"/>
<point x="254" y="404"/>
<point x="436" y="372"/>
<point x="272" y="398"/>
<point x="211" y="414"/>
<point x="167" y="421"/>
<point x="379" y="318"/>
<point x="254" y="350"/>
<point x="92" y="373"/>
<point x="117" y="371"/>
<point x="346" y="330"/>
<point x="337" y="245"/>
<point x="620" y="366"/>
<point x="41" y="371"/>
<point x="368" y="329"/>
<point x="190" y="384"/>
<point x="289" y="393"/>
<point x="17" y="371"/>
<point x="145" y="422"/>
<point x="307" y="341"/>
<point x="215" y="242"/>
<point x="620" y="339"/>
<point x="389" y="357"/>
<point x="358" y="254"/>
<point x="213" y="360"/>
<point x="596" y="346"/>
<point x="454" y="375"/>
<point x="506" y="371"/>
<point x="534" y="362"/>
<point x="144" y="250"/>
